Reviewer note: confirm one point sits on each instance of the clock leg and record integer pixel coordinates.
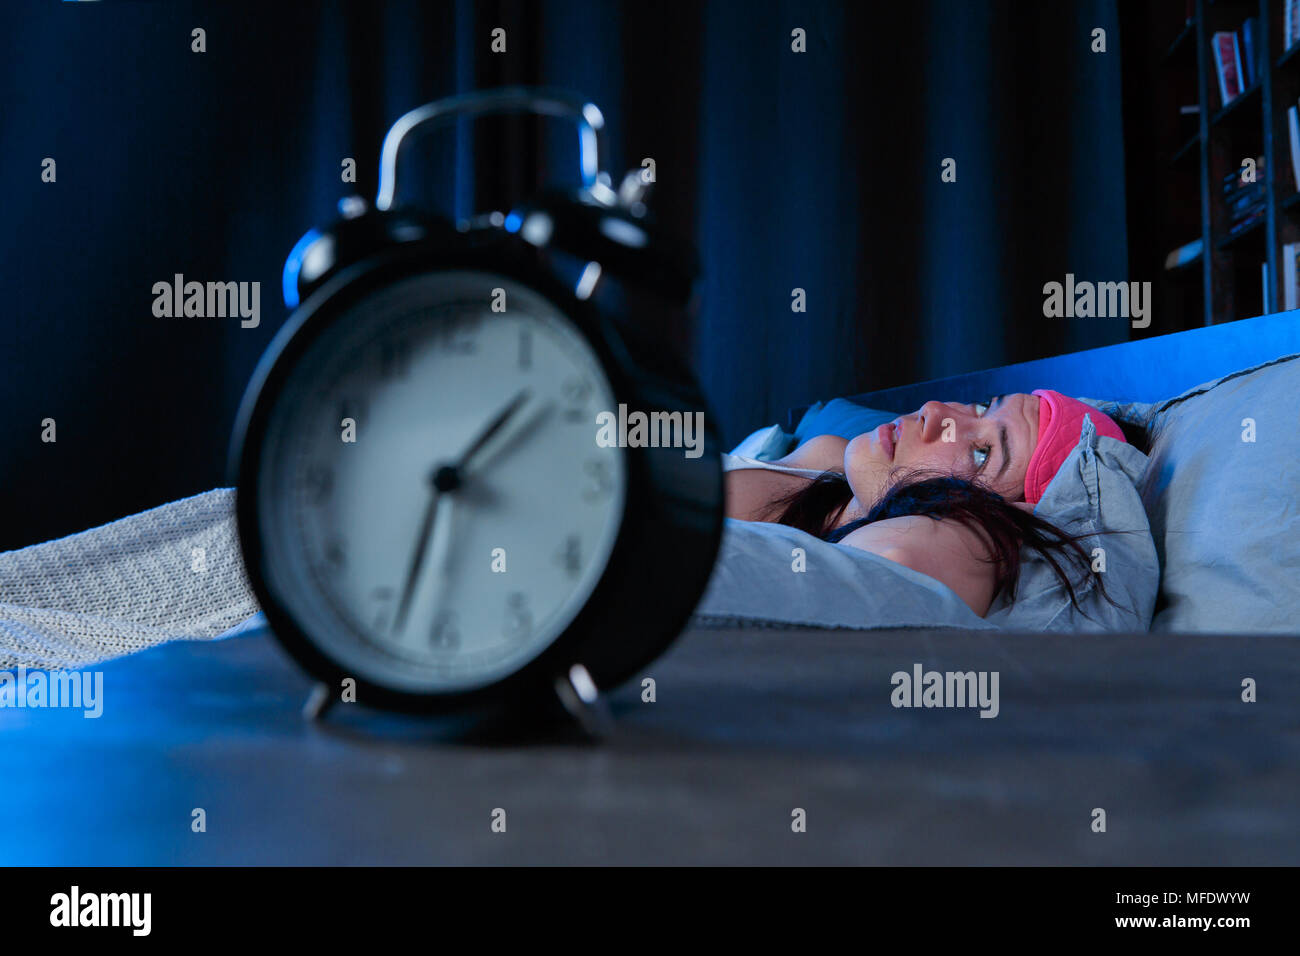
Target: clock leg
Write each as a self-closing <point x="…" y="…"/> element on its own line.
<point x="580" y="697"/>
<point x="318" y="703"/>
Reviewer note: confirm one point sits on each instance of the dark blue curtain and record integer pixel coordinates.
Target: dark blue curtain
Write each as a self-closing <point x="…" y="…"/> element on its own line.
<point x="818" y="170"/>
<point x="822" y="172"/>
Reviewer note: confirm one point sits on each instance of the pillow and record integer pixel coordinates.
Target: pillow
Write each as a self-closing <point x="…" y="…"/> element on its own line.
<point x="775" y="575"/>
<point x="840" y="417"/>
<point x="1094" y="494"/>
<point x="765" y="444"/>
<point x="1223" y="494"/>
<point x="756" y="576"/>
<point x="1131" y="417"/>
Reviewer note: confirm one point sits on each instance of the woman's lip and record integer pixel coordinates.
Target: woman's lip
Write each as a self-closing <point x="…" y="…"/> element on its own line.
<point x="885" y="436"/>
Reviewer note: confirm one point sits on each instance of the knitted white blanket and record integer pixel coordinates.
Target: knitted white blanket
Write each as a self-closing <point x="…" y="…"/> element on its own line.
<point x="172" y="572"/>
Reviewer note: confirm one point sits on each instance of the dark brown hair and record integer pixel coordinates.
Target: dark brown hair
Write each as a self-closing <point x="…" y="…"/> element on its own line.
<point x="818" y="507"/>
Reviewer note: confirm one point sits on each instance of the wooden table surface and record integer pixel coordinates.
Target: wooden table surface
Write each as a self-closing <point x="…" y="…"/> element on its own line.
<point x="747" y="726"/>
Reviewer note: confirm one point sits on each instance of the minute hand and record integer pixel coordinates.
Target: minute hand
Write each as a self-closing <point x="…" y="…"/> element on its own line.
<point x="493" y="427"/>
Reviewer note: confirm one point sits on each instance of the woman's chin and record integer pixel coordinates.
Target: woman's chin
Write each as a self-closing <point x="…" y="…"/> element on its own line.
<point x="867" y="480"/>
<point x="863" y="451"/>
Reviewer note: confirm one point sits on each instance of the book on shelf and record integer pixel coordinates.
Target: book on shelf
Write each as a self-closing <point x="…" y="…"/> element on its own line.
<point x="1239" y="207"/>
<point x="1238" y="226"/>
<point x="1239" y="188"/>
<point x="1234" y="182"/>
<point x="1244" y="199"/>
<point x="1242" y="190"/>
<point x="1293" y="133"/>
<point x="1227" y="65"/>
<point x="1249" y="30"/>
<point x="1184" y="254"/>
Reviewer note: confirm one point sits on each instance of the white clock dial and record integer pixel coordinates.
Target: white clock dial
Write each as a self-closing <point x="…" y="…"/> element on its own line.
<point x="439" y="591"/>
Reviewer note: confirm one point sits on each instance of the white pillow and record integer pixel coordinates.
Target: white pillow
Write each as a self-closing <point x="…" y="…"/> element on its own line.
<point x="1094" y="494"/>
<point x="765" y="444"/>
<point x="1223" y="494"/>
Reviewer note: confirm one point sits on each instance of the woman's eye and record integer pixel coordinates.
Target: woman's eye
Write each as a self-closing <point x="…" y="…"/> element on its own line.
<point x="981" y="408"/>
<point x="981" y="456"/>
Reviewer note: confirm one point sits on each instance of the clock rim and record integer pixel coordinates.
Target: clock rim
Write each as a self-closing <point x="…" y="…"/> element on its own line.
<point x="510" y="257"/>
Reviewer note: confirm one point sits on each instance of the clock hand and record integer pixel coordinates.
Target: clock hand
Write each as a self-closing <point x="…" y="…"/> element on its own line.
<point x="526" y="426"/>
<point x="440" y="553"/>
<point x="417" y="559"/>
<point x="493" y="427"/>
<point x="447" y="478"/>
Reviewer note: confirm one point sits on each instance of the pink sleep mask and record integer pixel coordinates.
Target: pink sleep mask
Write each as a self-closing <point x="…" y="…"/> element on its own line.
<point x="1060" y="419"/>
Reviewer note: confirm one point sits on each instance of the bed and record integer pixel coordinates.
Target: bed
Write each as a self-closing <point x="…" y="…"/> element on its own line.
<point x="1146" y="370"/>
<point x="1215" y="413"/>
<point x="1189" y="743"/>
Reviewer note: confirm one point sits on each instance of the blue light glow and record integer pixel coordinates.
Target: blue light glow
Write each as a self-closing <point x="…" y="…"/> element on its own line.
<point x="293" y="266"/>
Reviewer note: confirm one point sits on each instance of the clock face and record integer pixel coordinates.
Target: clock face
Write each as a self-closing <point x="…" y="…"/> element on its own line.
<point x="434" y="507"/>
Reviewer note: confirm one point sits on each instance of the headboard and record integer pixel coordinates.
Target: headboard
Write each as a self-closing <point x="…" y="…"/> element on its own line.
<point x="1145" y="370"/>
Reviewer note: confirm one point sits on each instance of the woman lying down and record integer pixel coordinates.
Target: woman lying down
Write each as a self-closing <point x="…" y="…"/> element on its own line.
<point x="948" y="491"/>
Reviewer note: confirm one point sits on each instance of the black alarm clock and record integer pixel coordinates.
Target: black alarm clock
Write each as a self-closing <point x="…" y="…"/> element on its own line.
<point x="437" y="497"/>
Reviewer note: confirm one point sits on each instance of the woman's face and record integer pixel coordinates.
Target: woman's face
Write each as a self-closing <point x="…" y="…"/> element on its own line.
<point x="986" y="442"/>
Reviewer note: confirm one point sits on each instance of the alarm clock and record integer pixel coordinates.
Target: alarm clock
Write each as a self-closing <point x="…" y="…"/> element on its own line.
<point x="431" y="500"/>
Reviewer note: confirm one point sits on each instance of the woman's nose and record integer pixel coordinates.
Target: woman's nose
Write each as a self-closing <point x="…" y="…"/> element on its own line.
<point x="932" y="418"/>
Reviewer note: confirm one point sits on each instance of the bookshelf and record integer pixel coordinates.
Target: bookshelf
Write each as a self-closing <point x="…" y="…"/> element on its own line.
<point x="1177" y="157"/>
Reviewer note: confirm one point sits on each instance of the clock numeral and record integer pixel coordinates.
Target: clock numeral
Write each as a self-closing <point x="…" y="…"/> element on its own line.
<point x="383" y="599"/>
<point x="394" y="359"/>
<point x="336" y="555"/>
<point x="602" y="482"/>
<point x="446" y="632"/>
<point x="457" y="335"/>
<point x="519" y="619"/>
<point x="569" y="557"/>
<point x="318" y="484"/>
<point x="525" y="349"/>
<point x="576" y="391"/>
